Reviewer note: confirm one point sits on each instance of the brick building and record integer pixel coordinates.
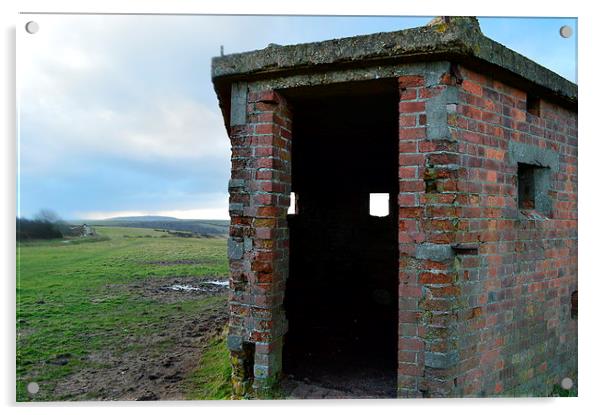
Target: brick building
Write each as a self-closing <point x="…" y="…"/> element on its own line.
<point x="466" y="286"/>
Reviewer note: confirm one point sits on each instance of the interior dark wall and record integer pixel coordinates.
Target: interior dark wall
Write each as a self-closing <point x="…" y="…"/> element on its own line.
<point x="341" y="295"/>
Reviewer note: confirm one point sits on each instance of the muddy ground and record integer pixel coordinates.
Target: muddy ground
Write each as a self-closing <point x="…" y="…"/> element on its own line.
<point x="175" y="289"/>
<point x="359" y="384"/>
<point x="161" y="362"/>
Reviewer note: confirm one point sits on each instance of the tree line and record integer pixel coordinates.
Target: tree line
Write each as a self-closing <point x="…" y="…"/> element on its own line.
<point x="45" y="225"/>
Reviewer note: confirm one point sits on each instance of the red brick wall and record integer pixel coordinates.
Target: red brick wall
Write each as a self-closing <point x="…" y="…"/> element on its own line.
<point x="514" y="327"/>
<point x="428" y="177"/>
<point x="485" y="289"/>
<point x="258" y="245"/>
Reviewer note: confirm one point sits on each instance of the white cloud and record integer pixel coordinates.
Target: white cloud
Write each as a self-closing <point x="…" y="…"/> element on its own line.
<point x="79" y="94"/>
<point x="168" y="129"/>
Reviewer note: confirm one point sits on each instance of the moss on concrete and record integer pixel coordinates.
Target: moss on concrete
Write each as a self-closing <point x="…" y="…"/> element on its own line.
<point x="455" y="38"/>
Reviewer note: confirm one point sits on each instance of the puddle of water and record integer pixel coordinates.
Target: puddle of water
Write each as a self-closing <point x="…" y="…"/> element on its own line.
<point x="180" y="287"/>
<point x="189" y="288"/>
<point x="223" y="283"/>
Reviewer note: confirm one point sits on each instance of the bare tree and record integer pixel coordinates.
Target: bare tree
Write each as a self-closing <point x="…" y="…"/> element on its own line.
<point x="47" y="215"/>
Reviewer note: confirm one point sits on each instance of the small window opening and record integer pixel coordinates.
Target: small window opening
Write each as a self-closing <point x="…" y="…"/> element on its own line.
<point x="292" y="208"/>
<point x="379" y="204"/>
<point x="574" y="305"/>
<point x="533" y="104"/>
<point x="526" y="186"/>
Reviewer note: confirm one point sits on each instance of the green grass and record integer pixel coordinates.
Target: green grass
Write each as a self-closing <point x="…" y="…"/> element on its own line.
<point x="66" y="306"/>
<point x="212" y="379"/>
<point x="559" y="391"/>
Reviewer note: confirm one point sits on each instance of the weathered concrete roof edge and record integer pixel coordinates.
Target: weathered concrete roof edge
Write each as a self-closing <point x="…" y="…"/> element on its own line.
<point x="456" y="37"/>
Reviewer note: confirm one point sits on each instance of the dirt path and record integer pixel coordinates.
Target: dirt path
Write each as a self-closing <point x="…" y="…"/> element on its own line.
<point x="158" y="367"/>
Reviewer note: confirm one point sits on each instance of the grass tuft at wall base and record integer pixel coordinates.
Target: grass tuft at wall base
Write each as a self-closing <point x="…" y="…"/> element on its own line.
<point x="212" y="379"/>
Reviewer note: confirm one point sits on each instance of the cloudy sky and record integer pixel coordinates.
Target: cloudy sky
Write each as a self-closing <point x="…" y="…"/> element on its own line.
<point x="117" y="114"/>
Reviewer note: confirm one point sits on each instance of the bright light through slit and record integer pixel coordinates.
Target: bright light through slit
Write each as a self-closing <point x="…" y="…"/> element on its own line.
<point x="291" y="207"/>
<point x="379" y="204"/>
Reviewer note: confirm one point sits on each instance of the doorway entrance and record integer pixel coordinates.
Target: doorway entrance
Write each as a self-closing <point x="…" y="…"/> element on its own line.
<point x="341" y="293"/>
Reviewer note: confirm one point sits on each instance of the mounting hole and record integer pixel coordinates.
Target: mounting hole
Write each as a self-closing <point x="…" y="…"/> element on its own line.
<point x="33" y="388"/>
<point x="566" y="31"/>
<point x="32" y="27"/>
<point x="566" y="383"/>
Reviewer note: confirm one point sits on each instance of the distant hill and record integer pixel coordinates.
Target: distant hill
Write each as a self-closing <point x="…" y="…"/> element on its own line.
<point x="199" y="227"/>
<point x="143" y="218"/>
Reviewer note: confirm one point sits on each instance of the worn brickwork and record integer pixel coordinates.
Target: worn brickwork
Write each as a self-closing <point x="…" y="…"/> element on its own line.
<point x="486" y="212"/>
<point x="485" y="287"/>
<point x="258" y="244"/>
<point x="428" y="221"/>
<point x="515" y="331"/>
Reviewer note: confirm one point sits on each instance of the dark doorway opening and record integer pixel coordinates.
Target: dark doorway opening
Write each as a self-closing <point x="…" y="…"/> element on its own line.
<point x="341" y="294"/>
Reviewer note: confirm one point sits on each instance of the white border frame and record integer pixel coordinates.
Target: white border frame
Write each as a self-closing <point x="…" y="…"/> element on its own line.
<point x="590" y="147"/>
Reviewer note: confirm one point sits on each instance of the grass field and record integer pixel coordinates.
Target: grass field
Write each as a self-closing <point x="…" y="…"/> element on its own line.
<point x="95" y="320"/>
